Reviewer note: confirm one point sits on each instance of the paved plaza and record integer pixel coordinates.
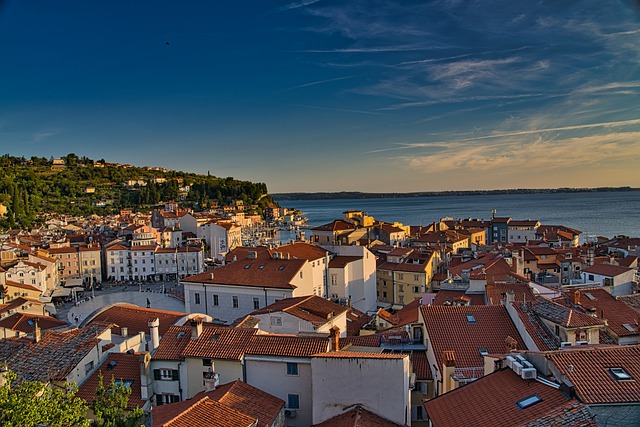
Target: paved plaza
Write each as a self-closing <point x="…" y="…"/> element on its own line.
<point x="152" y="295"/>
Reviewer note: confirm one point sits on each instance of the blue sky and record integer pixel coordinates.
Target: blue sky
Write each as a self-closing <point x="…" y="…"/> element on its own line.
<point x="328" y="95"/>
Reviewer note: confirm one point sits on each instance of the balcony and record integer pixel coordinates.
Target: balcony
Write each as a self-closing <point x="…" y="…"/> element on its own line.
<point x="401" y="342"/>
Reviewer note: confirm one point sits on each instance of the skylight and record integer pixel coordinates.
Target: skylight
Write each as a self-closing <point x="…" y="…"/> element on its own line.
<point x="247" y="266"/>
<point x="629" y="327"/>
<point x="471" y="318"/>
<point x="281" y="267"/>
<point x="620" y="374"/>
<point x="528" y="401"/>
<point x="590" y="296"/>
<point x="483" y="351"/>
<point x="181" y="334"/>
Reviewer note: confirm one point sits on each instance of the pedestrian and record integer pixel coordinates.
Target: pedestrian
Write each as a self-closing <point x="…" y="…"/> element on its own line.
<point x="76" y="319"/>
<point x="148" y="303"/>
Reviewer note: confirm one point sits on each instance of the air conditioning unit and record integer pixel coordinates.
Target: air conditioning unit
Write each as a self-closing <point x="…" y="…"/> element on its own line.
<point x="529" y="373"/>
<point x="517" y="367"/>
<point x="510" y="361"/>
<point x="582" y="342"/>
<point x="565" y="344"/>
<point x="290" y="413"/>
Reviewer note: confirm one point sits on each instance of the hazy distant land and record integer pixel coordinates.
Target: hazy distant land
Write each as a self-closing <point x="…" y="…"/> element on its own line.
<point x="361" y="195"/>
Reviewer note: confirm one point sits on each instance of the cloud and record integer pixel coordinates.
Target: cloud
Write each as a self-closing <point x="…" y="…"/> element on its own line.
<point x="319" y="82"/>
<point x="296" y="5"/>
<point x="521" y="157"/>
<point x="43" y="135"/>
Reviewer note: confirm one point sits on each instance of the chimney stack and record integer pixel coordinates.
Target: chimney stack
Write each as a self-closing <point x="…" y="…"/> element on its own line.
<point x="154" y="324"/>
<point x="576" y="298"/>
<point x="211" y="380"/>
<point x="37" y="332"/>
<point x="511" y="344"/>
<point x="448" y="371"/>
<point x="196" y="327"/>
<point x="124" y="331"/>
<point x="334" y="338"/>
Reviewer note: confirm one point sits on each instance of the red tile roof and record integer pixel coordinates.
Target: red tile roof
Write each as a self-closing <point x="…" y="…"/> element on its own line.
<point x="562" y="315"/>
<point x="287" y="345"/>
<point x="616" y="312"/>
<point x="357" y="417"/>
<point x="219" y="343"/>
<point x="609" y="270"/>
<point x="492" y="401"/>
<point x="341" y="261"/>
<point x="420" y="365"/>
<point x="24" y="322"/>
<point x="311" y="308"/>
<point x="449" y="295"/>
<point x="449" y="329"/>
<point x="120" y="366"/>
<point x="136" y="318"/>
<point x="201" y="413"/>
<point x="262" y="272"/>
<point x="495" y="290"/>
<point x="588" y="371"/>
<point x="301" y="250"/>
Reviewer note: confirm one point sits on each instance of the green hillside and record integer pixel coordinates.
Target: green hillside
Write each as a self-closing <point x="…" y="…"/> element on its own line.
<point x="32" y="187"/>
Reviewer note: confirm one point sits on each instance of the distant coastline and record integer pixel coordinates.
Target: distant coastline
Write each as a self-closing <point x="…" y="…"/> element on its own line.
<point x="361" y="195"/>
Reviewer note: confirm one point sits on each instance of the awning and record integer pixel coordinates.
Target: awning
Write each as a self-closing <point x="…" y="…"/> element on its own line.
<point x="72" y="283"/>
<point x="61" y="293"/>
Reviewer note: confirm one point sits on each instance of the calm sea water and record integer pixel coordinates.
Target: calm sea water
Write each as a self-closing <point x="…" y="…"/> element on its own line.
<point x="593" y="213"/>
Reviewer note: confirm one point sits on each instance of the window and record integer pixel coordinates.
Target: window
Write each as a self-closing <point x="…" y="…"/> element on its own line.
<point x="256" y="303"/>
<point x="206" y="362"/>
<point x="197" y="297"/>
<point x="400" y="288"/>
<point x="88" y="367"/>
<point x="416" y="277"/>
<point x="293" y="401"/>
<point x="400" y="276"/>
<point x="334" y="280"/>
<point x="216" y="301"/>
<point x="384" y="294"/>
<point x="528" y="401"/>
<point x="483" y="351"/>
<point x="235" y="303"/>
<point x="416" y="289"/>
<point x="471" y="318"/>
<point x="166" y="374"/>
<point x="590" y="277"/>
<point x="620" y="374"/>
<point x="125" y="383"/>
<point x="292" y="369"/>
<point x="162" y="399"/>
<point x="276" y="321"/>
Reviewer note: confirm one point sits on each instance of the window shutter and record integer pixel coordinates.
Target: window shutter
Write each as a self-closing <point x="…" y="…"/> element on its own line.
<point x="156" y="374"/>
<point x="175" y="375"/>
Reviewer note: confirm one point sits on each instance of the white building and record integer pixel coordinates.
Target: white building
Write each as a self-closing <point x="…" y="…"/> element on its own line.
<point x="616" y="279"/>
<point x="221" y="236"/>
<point x="236" y="289"/>
<point x="28" y="273"/>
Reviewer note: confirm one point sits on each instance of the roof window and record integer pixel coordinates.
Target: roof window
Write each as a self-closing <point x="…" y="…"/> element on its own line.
<point x="590" y="296"/>
<point x="261" y="267"/>
<point x="247" y="266"/>
<point x="629" y="327"/>
<point x="181" y="334"/>
<point x="483" y="351"/>
<point x="281" y="267"/>
<point x="471" y="318"/>
<point x="528" y="401"/>
<point x="620" y="374"/>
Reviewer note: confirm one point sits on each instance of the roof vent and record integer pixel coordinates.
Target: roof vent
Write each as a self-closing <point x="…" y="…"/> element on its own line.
<point x="111" y="365"/>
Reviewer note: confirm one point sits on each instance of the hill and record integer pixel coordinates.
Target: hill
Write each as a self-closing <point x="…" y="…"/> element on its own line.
<point x="82" y="186"/>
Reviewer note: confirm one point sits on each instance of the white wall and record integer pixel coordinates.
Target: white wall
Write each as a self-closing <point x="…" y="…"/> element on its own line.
<point x="380" y="385"/>
<point x="270" y="374"/>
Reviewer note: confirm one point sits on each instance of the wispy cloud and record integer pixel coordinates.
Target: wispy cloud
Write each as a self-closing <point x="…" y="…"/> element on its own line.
<point x="43" y="135"/>
<point x="319" y="82"/>
<point x="340" y="110"/>
<point x="296" y="5"/>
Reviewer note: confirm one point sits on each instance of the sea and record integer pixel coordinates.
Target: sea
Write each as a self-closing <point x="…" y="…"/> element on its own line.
<point x="596" y="213"/>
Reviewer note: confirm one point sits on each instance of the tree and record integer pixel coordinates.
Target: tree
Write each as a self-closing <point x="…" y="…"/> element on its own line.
<point x="33" y="403"/>
<point x="110" y="405"/>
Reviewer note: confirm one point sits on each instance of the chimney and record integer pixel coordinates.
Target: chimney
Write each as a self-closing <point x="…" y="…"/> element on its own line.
<point x="154" y="324"/>
<point x="448" y="371"/>
<point x="211" y="380"/>
<point x="37" y="332"/>
<point x="576" y="298"/>
<point x="145" y="377"/>
<point x="196" y="327"/>
<point x="124" y="331"/>
<point x="511" y="344"/>
<point x="211" y="276"/>
<point x="334" y="339"/>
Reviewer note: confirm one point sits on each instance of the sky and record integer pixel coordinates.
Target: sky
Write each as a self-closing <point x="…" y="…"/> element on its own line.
<point x="331" y="95"/>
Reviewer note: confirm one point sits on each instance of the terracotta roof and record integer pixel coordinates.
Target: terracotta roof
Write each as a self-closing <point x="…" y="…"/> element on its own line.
<point x="449" y="295"/>
<point x="21" y="285"/>
<point x="536" y="329"/>
<point x="609" y="270"/>
<point x="336" y="225"/>
<point x="420" y="365"/>
<point x="616" y="312"/>
<point x="218" y="343"/>
<point x="311" y="308"/>
<point x="341" y="261"/>
<point x="464" y="330"/>
<point x="118" y="247"/>
<point x="201" y="413"/>
<point x="562" y="315"/>
<point x="286" y="345"/>
<point x="249" y="400"/>
<point x="403" y="266"/>
<point x="632" y="301"/>
<point x="242" y="253"/>
<point x="136" y="318"/>
<point x="355" y="321"/>
<point x="56" y="354"/>
<point x="120" y="366"/>
<point x="589" y="371"/>
<point x="24" y="322"/>
<point x="302" y="250"/>
<point x="357" y="417"/>
<point x="495" y="290"/>
<point x="492" y="401"/>
<point x="263" y="272"/>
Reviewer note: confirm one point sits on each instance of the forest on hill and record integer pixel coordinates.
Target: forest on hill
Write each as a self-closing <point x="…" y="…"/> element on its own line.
<point x="77" y="185"/>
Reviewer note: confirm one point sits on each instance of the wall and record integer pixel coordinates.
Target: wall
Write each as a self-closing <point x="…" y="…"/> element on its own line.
<point x="380" y="385"/>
